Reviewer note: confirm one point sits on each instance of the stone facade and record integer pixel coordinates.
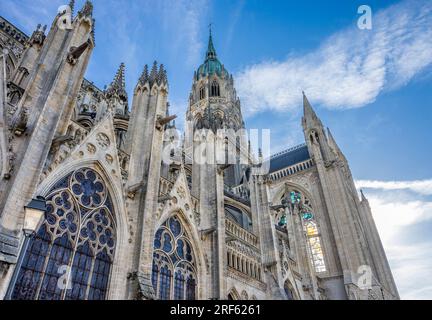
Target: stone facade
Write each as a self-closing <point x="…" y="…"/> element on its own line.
<point x="129" y="225"/>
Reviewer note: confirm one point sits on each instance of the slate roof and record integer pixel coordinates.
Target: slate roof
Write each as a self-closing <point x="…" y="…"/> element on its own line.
<point x="289" y="157"/>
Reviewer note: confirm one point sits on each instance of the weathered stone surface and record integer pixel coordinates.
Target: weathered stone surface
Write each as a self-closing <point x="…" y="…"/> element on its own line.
<point x="247" y="237"/>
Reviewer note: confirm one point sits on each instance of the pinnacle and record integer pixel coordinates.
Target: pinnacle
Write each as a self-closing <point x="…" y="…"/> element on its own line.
<point x="144" y="76"/>
<point x="118" y="84"/>
<point x="119" y="79"/>
<point x="308" y="111"/>
<point x="87" y="10"/>
<point x="72" y="6"/>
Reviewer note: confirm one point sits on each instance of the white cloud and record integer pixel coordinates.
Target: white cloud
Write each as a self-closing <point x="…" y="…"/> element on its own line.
<point x="350" y="69"/>
<point x="399" y="210"/>
<point x="411" y="267"/>
<point x="184" y="19"/>
<point x="423" y="187"/>
<point x="391" y="215"/>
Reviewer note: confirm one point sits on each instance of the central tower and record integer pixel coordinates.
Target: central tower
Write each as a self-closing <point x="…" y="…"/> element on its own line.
<point x="214" y="105"/>
<point x="214" y="124"/>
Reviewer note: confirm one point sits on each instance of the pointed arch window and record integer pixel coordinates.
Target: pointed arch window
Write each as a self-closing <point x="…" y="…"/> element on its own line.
<point x="71" y="255"/>
<point x="215" y="89"/>
<point x="297" y="200"/>
<point x="202" y="93"/>
<point x="174" y="268"/>
<point x="314" y="240"/>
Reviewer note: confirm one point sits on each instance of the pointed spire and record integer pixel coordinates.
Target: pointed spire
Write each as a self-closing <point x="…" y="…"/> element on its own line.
<point x="308" y="111"/>
<point x="144" y="76"/>
<point x="118" y="85"/>
<point x="363" y="198"/>
<point x="119" y="78"/>
<point x="72" y="6"/>
<point x="211" y="51"/>
<point x="87" y="10"/>
<point x="162" y="75"/>
<point x="331" y="140"/>
<point x="334" y="145"/>
<point x="153" y="73"/>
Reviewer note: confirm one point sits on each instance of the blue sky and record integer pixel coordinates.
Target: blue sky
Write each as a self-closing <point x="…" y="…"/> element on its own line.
<point x="371" y="87"/>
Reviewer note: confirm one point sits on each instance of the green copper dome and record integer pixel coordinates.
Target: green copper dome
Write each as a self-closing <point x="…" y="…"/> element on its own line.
<point x="211" y="64"/>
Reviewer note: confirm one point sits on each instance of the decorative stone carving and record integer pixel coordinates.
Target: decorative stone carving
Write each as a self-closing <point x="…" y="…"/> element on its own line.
<point x="103" y="140"/>
<point x="109" y="158"/>
<point x="181" y="192"/>
<point x="91" y="148"/>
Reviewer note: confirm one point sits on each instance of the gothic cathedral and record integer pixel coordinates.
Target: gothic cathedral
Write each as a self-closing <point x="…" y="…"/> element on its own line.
<point x="118" y="221"/>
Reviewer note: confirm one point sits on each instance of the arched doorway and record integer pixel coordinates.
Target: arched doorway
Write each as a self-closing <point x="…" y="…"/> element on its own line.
<point x="71" y="255"/>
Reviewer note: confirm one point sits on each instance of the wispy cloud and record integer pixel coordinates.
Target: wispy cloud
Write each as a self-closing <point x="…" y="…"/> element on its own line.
<point x="351" y="68"/>
<point x="400" y="209"/>
<point x="423" y="187"/>
<point x="184" y="20"/>
<point x="27" y="14"/>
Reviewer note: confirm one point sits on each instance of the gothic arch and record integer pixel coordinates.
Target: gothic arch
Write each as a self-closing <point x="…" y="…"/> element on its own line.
<point x="280" y="191"/>
<point x="117" y="283"/>
<point x="194" y="241"/>
<point x="214" y="89"/>
<point x="316" y="248"/>
<point x="233" y="294"/>
<point x="290" y="291"/>
<point x="11" y="59"/>
<point x="244" y="295"/>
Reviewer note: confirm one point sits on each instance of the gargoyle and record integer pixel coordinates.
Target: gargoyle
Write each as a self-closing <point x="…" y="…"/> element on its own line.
<point x="161" y="122"/>
<point x="76" y="52"/>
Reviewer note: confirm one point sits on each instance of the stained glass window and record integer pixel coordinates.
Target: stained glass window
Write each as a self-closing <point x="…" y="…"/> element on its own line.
<point x="315" y="246"/>
<point x="174" y="269"/>
<point x="71" y="255"/>
<point x="190" y="288"/>
<point x="179" y="286"/>
<point x="304" y="207"/>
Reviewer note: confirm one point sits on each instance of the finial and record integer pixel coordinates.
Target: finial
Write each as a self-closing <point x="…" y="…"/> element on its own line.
<point x="118" y="85"/>
<point x="87" y="10"/>
<point x="161" y="75"/>
<point x="153" y="73"/>
<point x="72" y="6"/>
<point x="211" y="52"/>
<point x="144" y="75"/>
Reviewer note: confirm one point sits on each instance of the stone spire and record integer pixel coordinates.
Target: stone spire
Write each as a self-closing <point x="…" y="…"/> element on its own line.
<point x="211" y="51"/>
<point x="157" y="75"/>
<point x="144" y="75"/>
<point x="118" y="85"/>
<point x="72" y="6"/>
<point x="310" y="119"/>
<point x="332" y="143"/>
<point x="162" y="75"/>
<point x="308" y="111"/>
<point x="87" y="10"/>
<point x="153" y="73"/>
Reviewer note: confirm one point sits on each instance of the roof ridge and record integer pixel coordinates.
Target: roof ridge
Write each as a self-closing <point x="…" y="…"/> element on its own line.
<point x="288" y="150"/>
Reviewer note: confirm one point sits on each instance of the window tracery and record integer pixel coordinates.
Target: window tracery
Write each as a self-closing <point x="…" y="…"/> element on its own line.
<point x="75" y="242"/>
<point x="174" y="268"/>
<point x="296" y="199"/>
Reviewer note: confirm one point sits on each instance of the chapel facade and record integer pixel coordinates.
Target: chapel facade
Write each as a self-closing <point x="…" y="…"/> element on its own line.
<point x="121" y="222"/>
